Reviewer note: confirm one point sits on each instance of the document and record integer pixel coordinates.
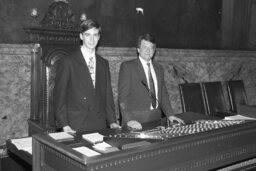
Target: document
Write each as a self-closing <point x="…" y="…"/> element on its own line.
<point x="101" y="146"/>
<point x="24" y="144"/>
<point x="104" y="147"/>
<point x="93" y="137"/>
<point x="86" y="151"/>
<point x="61" y="136"/>
<point x="238" y="117"/>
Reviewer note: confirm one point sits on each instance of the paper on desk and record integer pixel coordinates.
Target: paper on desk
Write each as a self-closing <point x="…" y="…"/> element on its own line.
<point x="101" y="146"/>
<point x="238" y="117"/>
<point x="93" y="137"/>
<point x="23" y="144"/>
<point x="61" y="136"/>
<point x="86" y="151"/>
<point x="28" y="149"/>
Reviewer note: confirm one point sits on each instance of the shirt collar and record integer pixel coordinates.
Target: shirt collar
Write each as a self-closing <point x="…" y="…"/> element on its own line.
<point x="86" y="54"/>
<point x="144" y="62"/>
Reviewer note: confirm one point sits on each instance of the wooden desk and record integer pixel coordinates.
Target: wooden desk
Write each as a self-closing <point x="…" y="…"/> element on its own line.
<point x="209" y="150"/>
<point x="202" y="151"/>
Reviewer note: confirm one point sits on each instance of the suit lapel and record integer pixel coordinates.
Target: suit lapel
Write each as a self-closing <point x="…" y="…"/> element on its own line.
<point x="86" y="74"/>
<point x="140" y="71"/>
<point x="98" y="71"/>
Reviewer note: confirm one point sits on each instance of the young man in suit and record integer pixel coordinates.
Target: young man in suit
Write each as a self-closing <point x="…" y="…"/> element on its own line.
<point x="83" y="97"/>
<point x="142" y="91"/>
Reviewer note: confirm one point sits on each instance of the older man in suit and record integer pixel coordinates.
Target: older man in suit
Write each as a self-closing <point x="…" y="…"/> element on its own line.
<point x="83" y="97"/>
<point x="142" y="92"/>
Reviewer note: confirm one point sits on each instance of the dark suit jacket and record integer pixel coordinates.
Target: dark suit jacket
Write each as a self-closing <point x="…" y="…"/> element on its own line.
<point x="77" y="103"/>
<point x="134" y="97"/>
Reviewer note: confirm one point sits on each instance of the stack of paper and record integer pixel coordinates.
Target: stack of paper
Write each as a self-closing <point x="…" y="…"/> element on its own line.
<point x="93" y="137"/>
<point x="101" y="146"/>
<point x="61" y="136"/>
<point x="86" y="151"/>
<point x="23" y="144"/>
<point x="104" y="147"/>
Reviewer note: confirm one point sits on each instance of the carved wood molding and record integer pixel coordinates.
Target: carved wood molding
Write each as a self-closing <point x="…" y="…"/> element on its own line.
<point x="53" y="36"/>
<point x="58" y="26"/>
<point x="56" y="154"/>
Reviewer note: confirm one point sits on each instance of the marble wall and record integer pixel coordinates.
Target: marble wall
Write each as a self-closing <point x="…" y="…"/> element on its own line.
<point x="14" y="90"/>
<point x="180" y="66"/>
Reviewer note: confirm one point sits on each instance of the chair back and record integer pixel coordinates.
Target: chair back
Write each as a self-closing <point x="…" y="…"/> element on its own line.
<point x="192" y="99"/>
<point x="236" y="94"/>
<point x="214" y="98"/>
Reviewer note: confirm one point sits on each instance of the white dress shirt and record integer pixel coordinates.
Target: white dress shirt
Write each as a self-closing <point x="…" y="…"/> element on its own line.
<point x="153" y="73"/>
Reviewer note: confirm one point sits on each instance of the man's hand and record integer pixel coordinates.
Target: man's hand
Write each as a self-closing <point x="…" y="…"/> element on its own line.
<point x="68" y="130"/>
<point x="134" y="124"/>
<point x="172" y="119"/>
<point x="115" y="126"/>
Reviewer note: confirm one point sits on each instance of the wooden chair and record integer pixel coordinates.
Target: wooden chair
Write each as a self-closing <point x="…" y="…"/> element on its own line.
<point x="192" y="99"/>
<point x="238" y="99"/>
<point x="236" y="94"/>
<point x="214" y="97"/>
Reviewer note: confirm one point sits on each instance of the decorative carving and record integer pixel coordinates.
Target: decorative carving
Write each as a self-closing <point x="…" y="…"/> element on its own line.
<point x="59" y="16"/>
<point x="34" y="16"/>
<point x="57" y="154"/>
<point x="50" y="64"/>
<point x="54" y="36"/>
<point x="36" y="48"/>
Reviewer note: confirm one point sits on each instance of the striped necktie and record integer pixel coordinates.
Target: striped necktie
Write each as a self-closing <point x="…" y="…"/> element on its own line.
<point x="151" y="87"/>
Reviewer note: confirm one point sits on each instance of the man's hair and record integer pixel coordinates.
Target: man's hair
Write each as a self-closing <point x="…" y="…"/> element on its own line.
<point x="89" y="24"/>
<point x="147" y="37"/>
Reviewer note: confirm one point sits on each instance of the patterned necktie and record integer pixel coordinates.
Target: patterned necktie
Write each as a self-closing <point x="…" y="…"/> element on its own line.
<point x="91" y="69"/>
<point x="151" y="87"/>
